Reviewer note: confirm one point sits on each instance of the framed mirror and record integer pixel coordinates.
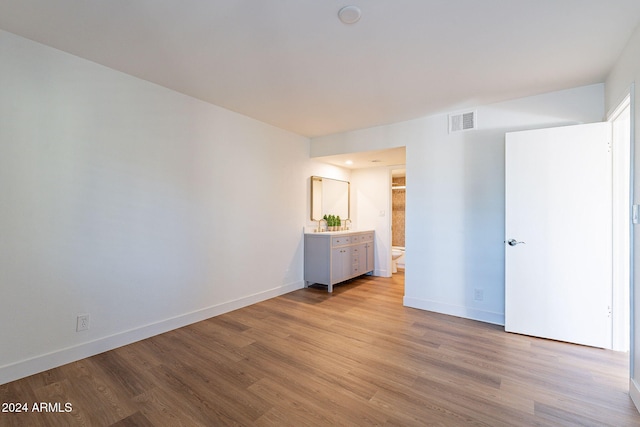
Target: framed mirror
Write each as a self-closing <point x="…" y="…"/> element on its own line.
<point x="329" y="197"/>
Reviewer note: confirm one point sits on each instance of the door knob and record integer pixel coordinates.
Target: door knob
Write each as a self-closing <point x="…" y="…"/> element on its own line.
<point x="514" y="242"/>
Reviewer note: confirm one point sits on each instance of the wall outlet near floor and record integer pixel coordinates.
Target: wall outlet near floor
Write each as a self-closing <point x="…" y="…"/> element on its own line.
<point x="83" y="322"/>
<point x="478" y="294"/>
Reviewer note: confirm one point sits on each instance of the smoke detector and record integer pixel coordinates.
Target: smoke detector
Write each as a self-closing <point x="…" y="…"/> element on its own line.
<point x="349" y="14"/>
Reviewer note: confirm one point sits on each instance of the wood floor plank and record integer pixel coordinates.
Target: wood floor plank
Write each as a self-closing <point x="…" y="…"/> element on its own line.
<point x="408" y="409"/>
<point x="353" y="357"/>
<point x="135" y="420"/>
<point x="161" y="408"/>
<point x="199" y="400"/>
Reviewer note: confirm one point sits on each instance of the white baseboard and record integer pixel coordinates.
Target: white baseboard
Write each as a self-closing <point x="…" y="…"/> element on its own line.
<point x="634" y="392"/>
<point x="454" y="310"/>
<point x="34" y="365"/>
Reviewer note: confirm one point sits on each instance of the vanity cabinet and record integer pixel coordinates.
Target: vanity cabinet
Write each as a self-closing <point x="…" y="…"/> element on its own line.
<point x="331" y="258"/>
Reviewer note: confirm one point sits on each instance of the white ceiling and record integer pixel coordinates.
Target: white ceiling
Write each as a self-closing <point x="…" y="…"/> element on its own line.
<point x="293" y="64"/>
<point x="368" y="159"/>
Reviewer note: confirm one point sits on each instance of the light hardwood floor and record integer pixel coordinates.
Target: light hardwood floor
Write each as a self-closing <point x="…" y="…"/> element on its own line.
<point x="357" y="357"/>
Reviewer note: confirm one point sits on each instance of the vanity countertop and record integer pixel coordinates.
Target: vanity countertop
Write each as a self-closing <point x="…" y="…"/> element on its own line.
<point x="332" y="233"/>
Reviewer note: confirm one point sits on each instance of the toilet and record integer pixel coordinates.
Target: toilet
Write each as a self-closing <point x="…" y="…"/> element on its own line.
<point x="397" y="258"/>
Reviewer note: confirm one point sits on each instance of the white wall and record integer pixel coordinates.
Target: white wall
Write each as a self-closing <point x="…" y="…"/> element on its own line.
<point x="371" y="199"/>
<point x="455" y="201"/>
<point x="625" y="73"/>
<point x="140" y="206"/>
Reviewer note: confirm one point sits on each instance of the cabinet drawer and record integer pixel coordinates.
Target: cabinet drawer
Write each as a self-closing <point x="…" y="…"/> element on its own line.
<point x="340" y="240"/>
<point x="366" y="237"/>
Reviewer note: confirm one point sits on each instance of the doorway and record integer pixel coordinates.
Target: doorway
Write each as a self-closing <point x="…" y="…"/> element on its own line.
<point x="618" y="135"/>
<point x="398" y="202"/>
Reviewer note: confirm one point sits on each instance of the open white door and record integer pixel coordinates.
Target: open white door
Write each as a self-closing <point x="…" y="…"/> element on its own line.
<point x="558" y="234"/>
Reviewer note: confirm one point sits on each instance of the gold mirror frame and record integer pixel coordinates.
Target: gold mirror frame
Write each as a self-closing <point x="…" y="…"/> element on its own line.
<point x="335" y="197"/>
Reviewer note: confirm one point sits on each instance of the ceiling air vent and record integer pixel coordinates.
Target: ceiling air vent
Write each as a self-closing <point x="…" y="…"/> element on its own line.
<point x="462" y="121"/>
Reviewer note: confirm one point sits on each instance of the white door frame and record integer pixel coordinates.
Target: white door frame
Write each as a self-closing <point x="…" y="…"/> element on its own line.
<point x="620" y="119"/>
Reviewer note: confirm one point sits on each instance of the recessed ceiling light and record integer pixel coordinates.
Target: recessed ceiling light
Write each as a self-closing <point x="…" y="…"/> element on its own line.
<point x="349" y="14"/>
<point x="349" y="162"/>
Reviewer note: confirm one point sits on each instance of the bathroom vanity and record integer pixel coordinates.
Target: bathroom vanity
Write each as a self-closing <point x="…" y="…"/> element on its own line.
<point x="333" y="257"/>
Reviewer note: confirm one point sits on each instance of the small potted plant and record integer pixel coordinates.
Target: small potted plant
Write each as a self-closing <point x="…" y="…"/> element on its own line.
<point x="338" y="223"/>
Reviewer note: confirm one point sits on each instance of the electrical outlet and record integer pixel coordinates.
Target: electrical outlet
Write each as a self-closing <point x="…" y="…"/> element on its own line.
<point x="83" y="323"/>
<point x="478" y="294"/>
